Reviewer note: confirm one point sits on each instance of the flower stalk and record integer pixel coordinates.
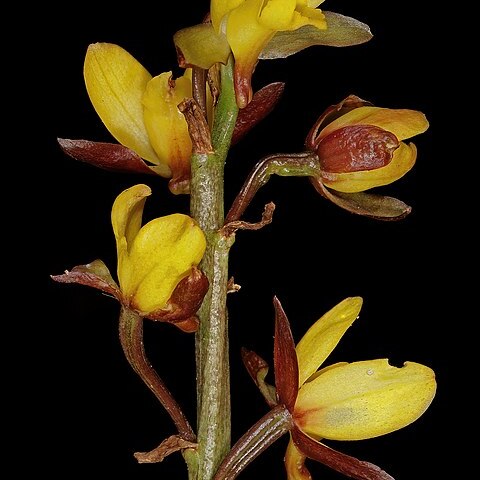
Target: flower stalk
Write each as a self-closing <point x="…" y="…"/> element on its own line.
<point x="207" y="208"/>
<point x="131" y="338"/>
<point x="259" y="437"/>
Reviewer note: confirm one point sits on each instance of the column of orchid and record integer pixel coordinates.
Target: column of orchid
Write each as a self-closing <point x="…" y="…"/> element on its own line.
<point x="175" y="268"/>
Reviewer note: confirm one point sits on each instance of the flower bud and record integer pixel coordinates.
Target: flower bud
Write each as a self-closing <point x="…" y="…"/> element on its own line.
<point x="360" y="146"/>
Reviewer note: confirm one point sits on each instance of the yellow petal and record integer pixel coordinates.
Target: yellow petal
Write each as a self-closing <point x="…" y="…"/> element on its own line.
<point x="283" y="15"/>
<point x="220" y="8"/>
<point x="402" y="123"/>
<point x="308" y="16"/>
<point x="247" y="37"/>
<point x="127" y="214"/>
<point x="295" y="463"/>
<point x="323" y="336"/>
<point x="115" y="83"/>
<point x="364" y="400"/>
<point x="278" y="14"/>
<point x="325" y="369"/>
<point x="163" y="253"/>
<point x="201" y="46"/>
<point x="403" y="160"/>
<point x="166" y="126"/>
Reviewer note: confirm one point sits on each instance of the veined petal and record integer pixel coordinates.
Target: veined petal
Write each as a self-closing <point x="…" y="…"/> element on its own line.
<point x="127" y="214"/>
<point x="295" y="463"/>
<point x="219" y="8"/>
<point x="115" y="84"/>
<point x="402" y="123"/>
<point x="323" y="336"/>
<point x="364" y="400"/>
<point x="163" y="253"/>
<point x="166" y="126"/>
<point x="403" y="160"/>
<point x="341" y="31"/>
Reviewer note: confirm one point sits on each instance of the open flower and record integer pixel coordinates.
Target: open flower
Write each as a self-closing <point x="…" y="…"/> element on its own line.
<point x="360" y="147"/>
<point x="263" y="29"/>
<point x="157" y="263"/>
<point x="343" y="401"/>
<point x="250" y="24"/>
<point x="141" y="113"/>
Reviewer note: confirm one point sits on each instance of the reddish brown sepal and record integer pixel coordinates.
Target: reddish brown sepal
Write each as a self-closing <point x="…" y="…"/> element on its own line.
<point x="285" y="359"/>
<point x="258" y="368"/>
<point x="108" y="156"/>
<point x="350" y="466"/>
<point x="356" y="148"/>
<point x="263" y="102"/>
<point x="331" y="114"/>
<point x="94" y="274"/>
<point x="184" y="302"/>
<point x="190" y="325"/>
<point x="253" y="363"/>
<point x="379" y="207"/>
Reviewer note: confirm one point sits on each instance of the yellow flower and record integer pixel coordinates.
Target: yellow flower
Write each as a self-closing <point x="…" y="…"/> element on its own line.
<point x="157" y="264"/>
<point x="349" y="401"/>
<point x="140" y="111"/>
<point x="250" y="24"/>
<point x="155" y="258"/>
<point x="361" y="146"/>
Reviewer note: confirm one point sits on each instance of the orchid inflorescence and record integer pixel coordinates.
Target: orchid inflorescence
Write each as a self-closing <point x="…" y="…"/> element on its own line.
<point x="174" y="269"/>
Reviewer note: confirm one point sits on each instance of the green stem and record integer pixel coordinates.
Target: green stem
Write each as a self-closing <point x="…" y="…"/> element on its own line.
<point x="131" y="338"/>
<point x="283" y="164"/>
<point x="213" y="373"/>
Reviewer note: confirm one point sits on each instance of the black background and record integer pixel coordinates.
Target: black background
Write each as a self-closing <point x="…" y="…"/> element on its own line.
<point x="311" y="257"/>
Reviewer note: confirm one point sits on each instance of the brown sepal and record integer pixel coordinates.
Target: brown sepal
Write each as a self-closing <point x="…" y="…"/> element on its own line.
<point x="263" y="102"/>
<point x="258" y="368"/>
<point x="379" y="207"/>
<point x="108" y="156"/>
<point x="329" y="115"/>
<point x="94" y="274"/>
<point x="167" y="447"/>
<point x="285" y="359"/>
<point x="184" y="302"/>
<point x="350" y="466"/>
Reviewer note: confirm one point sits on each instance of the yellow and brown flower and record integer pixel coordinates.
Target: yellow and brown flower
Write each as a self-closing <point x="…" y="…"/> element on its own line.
<point x="157" y="263"/>
<point x="343" y="401"/>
